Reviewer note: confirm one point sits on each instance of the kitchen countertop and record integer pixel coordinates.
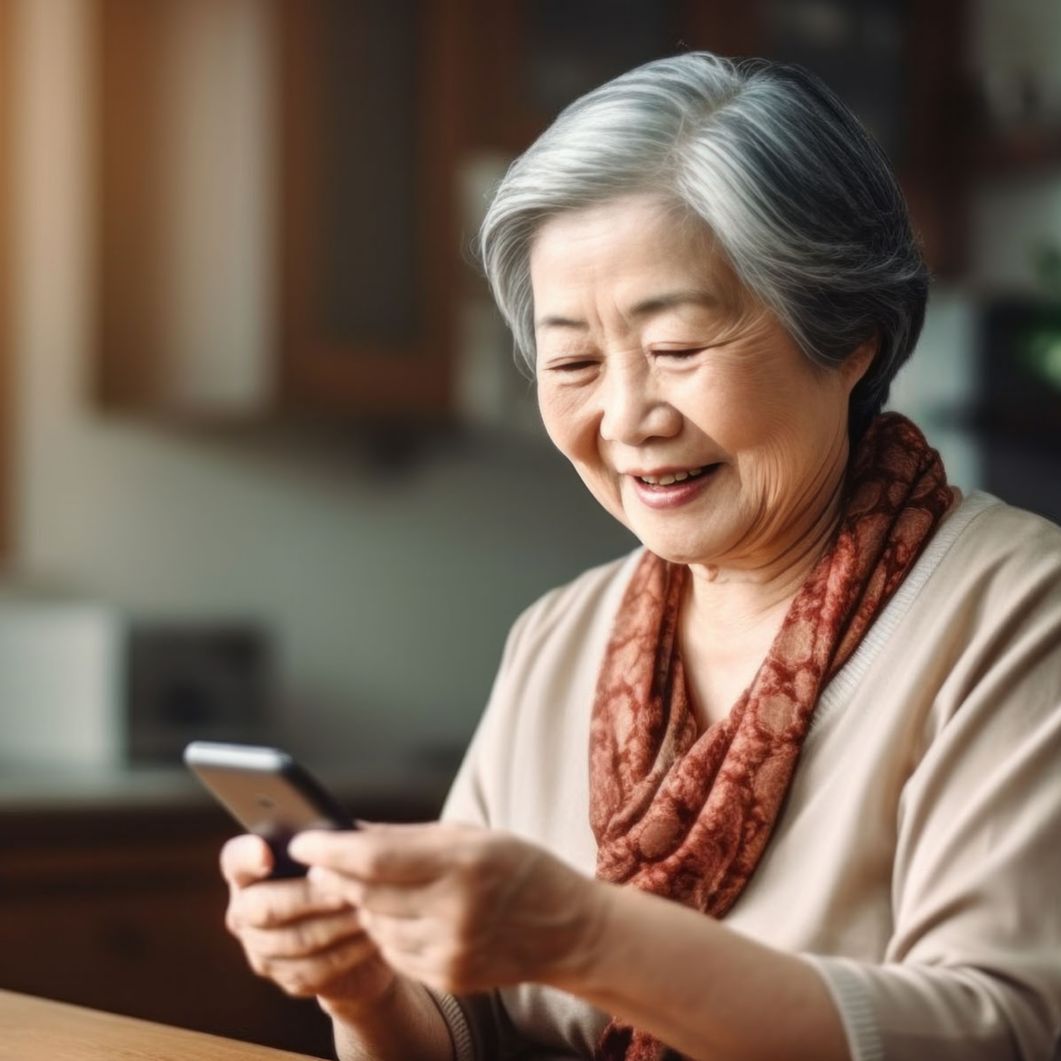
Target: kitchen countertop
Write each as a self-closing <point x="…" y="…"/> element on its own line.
<point x="53" y="788"/>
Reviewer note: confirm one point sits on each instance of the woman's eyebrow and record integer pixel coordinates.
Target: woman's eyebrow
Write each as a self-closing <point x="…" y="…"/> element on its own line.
<point x="658" y="303"/>
<point x="647" y="307"/>
<point x="553" y="321"/>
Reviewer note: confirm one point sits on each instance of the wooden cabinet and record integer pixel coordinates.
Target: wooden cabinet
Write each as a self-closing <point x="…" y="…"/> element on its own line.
<point x="279" y="226"/>
<point x="370" y="133"/>
<point x="6" y="275"/>
<point x="900" y="67"/>
<point x="121" y="909"/>
<point x="533" y="57"/>
<point x="277" y="207"/>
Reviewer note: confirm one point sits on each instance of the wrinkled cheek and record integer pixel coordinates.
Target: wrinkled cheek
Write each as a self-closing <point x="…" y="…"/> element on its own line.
<point x="778" y="475"/>
<point x="561" y="420"/>
<point x="791" y="480"/>
<point x="766" y="483"/>
<point x="573" y="430"/>
<point x="569" y="430"/>
<point x="572" y="440"/>
<point x="605" y="489"/>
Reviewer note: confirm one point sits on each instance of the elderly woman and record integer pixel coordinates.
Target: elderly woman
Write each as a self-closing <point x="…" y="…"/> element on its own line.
<point x="784" y="782"/>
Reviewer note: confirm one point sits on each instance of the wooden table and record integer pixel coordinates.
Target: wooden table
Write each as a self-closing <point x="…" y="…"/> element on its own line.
<point x="34" y="1029"/>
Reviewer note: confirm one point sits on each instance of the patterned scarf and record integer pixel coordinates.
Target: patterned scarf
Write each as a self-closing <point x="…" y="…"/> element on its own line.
<point x="687" y="815"/>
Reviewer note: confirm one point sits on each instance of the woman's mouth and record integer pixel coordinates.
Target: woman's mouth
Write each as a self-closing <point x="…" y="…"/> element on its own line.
<point x="676" y="477"/>
<point x="673" y="488"/>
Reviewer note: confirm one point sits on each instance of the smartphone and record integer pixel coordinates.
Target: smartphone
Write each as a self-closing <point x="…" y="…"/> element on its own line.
<point x="268" y="793"/>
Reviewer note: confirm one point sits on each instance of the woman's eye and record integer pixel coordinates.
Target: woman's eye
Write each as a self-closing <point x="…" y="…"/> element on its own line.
<point x="571" y="366"/>
<point x="677" y="352"/>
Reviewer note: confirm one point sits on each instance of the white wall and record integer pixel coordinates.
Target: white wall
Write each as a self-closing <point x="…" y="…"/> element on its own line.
<point x="390" y="591"/>
<point x="938" y="384"/>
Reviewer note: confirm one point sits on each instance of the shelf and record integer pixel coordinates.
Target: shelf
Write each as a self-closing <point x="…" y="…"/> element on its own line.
<point x="1018" y="152"/>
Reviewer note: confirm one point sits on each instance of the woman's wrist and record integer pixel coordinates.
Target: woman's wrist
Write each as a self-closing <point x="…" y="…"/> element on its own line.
<point x="400" y="1022"/>
<point x="363" y="1006"/>
<point x="696" y="984"/>
<point x="581" y="968"/>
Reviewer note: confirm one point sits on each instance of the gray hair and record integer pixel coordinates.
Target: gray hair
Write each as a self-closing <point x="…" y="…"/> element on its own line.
<point x="797" y="194"/>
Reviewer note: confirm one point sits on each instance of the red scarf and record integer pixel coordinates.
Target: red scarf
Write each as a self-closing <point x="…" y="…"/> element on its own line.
<point x="687" y="815"/>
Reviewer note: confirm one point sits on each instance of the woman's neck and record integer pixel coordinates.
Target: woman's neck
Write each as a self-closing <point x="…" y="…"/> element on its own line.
<point x="729" y="620"/>
<point x="726" y="608"/>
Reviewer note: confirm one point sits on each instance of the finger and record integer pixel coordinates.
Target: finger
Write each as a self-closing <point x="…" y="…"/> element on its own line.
<point x="272" y="904"/>
<point x="303" y="939"/>
<point x="245" y="860"/>
<point x="304" y="977"/>
<point x="394" y="853"/>
<point x="402" y="900"/>
<point x="407" y="901"/>
<point x="329" y="882"/>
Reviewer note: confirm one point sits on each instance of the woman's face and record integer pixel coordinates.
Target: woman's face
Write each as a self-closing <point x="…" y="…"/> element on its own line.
<point x="686" y="408"/>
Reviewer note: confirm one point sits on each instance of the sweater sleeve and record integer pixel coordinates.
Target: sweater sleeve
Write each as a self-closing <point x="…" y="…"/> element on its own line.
<point x="973" y="968"/>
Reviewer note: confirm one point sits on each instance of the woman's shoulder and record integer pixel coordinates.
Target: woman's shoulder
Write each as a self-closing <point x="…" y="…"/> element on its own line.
<point x="526" y="765"/>
<point x="986" y="538"/>
<point x="989" y="567"/>
<point x="589" y="598"/>
<point x="991" y="517"/>
<point x="988" y="585"/>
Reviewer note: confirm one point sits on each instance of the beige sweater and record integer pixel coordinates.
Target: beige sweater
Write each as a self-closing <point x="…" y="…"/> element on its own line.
<point x="917" y="864"/>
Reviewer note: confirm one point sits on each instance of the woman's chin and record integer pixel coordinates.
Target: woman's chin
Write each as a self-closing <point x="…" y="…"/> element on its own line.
<point x="682" y="550"/>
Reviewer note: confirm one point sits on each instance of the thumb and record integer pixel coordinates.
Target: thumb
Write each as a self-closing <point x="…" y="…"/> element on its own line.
<point x="246" y="860"/>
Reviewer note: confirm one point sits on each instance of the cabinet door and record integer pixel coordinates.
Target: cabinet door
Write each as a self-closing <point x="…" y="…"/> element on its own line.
<point x="6" y="336"/>
<point x="898" y="65"/>
<point x="370" y="136"/>
<point x="276" y="206"/>
<point x="124" y="912"/>
<point x="533" y="57"/>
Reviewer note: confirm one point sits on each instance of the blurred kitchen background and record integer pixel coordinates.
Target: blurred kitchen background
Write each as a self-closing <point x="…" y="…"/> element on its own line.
<point x="267" y="468"/>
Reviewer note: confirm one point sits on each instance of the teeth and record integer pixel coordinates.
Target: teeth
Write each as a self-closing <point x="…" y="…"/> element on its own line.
<point x="668" y="480"/>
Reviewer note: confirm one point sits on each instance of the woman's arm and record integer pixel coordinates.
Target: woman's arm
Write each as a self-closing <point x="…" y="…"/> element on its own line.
<point x="701" y="987"/>
<point x="464" y="910"/>
<point x="404" y="1023"/>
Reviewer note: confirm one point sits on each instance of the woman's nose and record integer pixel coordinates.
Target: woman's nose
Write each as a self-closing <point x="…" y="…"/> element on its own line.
<point x="633" y="410"/>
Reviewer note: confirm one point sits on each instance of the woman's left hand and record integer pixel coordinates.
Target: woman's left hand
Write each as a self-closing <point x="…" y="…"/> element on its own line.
<point x="461" y="908"/>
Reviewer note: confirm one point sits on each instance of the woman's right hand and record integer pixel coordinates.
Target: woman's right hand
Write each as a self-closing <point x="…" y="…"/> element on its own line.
<point x="305" y="940"/>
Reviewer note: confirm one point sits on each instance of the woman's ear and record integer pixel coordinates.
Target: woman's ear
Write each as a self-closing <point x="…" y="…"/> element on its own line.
<point x="857" y="363"/>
